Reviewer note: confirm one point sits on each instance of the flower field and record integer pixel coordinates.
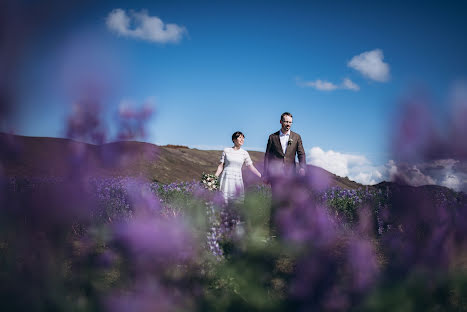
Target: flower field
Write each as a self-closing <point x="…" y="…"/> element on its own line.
<point x="124" y="244"/>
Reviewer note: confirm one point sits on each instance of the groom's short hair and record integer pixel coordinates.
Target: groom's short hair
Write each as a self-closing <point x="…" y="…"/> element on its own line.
<point x="286" y="114"/>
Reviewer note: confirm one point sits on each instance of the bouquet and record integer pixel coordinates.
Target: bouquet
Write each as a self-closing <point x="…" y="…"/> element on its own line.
<point x="210" y="182"/>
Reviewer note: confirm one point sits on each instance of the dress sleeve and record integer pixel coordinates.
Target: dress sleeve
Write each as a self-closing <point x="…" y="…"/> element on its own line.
<point x="247" y="160"/>
<point x="222" y="160"/>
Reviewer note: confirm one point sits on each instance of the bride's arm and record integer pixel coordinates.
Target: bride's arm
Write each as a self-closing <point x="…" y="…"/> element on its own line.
<point x="219" y="169"/>
<point x="255" y="171"/>
<point x="250" y="165"/>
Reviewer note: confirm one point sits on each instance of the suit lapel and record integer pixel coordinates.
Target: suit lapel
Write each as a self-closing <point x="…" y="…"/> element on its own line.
<point x="289" y="147"/>
<point x="278" y="143"/>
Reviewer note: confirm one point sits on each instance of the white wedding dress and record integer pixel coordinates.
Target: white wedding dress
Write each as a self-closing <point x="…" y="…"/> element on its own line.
<point x="231" y="180"/>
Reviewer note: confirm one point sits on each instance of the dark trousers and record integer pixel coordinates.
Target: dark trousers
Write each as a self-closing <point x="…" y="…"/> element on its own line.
<point x="281" y="200"/>
<point x="275" y="206"/>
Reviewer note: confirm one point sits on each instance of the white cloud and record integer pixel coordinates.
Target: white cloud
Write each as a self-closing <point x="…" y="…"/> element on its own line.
<point x="150" y="28"/>
<point x="357" y="167"/>
<point x="452" y="181"/>
<point x="323" y="85"/>
<point x="371" y="65"/>
<point x="445" y="172"/>
<point x="368" y="178"/>
<point x="450" y="173"/>
<point x="446" y="163"/>
<point x="334" y="162"/>
<point x="410" y="174"/>
<point x="392" y="169"/>
<point x="350" y="85"/>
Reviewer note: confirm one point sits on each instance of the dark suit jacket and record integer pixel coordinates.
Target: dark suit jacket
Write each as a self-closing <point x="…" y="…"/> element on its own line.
<point x="274" y="152"/>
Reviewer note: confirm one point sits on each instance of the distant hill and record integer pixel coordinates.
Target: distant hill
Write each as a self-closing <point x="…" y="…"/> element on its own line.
<point x="24" y="156"/>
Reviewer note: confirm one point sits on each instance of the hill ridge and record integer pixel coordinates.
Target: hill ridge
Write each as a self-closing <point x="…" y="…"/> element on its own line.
<point x="49" y="156"/>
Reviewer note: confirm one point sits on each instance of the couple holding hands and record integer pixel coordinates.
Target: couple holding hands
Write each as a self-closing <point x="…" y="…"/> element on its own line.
<point x="279" y="159"/>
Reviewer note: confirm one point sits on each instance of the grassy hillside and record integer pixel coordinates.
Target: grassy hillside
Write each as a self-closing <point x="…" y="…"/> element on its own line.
<point x="39" y="156"/>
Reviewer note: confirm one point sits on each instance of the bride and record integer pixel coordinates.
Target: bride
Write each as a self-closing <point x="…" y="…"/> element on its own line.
<point x="230" y="169"/>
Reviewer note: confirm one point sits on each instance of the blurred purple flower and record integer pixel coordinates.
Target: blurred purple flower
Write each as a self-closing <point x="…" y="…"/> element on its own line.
<point x="156" y="241"/>
<point x="85" y="123"/>
<point x="132" y="122"/>
<point x="147" y="295"/>
<point x="318" y="179"/>
<point x="363" y="266"/>
<point x="143" y="199"/>
<point x="416" y="131"/>
<point x="306" y="223"/>
<point x="426" y="153"/>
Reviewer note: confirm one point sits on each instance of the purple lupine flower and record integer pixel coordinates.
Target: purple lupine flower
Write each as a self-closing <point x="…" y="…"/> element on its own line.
<point x="362" y="262"/>
<point x="155" y="240"/>
<point x="147" y="295"/>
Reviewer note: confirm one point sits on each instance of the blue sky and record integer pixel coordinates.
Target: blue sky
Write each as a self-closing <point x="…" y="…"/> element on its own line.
<point x="237" y="65"/>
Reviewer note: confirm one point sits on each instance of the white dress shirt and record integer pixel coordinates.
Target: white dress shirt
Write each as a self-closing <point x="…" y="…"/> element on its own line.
<point x="284" y="137"/>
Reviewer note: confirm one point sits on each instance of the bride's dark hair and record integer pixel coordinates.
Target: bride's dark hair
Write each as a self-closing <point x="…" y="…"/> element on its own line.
<point x="236" y="135"/>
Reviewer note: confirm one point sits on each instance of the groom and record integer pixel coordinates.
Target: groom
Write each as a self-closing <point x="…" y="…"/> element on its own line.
<point x="282" y="147"/>
<point x="279" y="162"/>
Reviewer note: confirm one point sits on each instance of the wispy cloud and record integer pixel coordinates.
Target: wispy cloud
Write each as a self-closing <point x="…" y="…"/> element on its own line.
<point x="370" y="64"/>
<point x="323" y="85"/>
<point x="350" y="85"/>
<point x="142" y="26"/>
